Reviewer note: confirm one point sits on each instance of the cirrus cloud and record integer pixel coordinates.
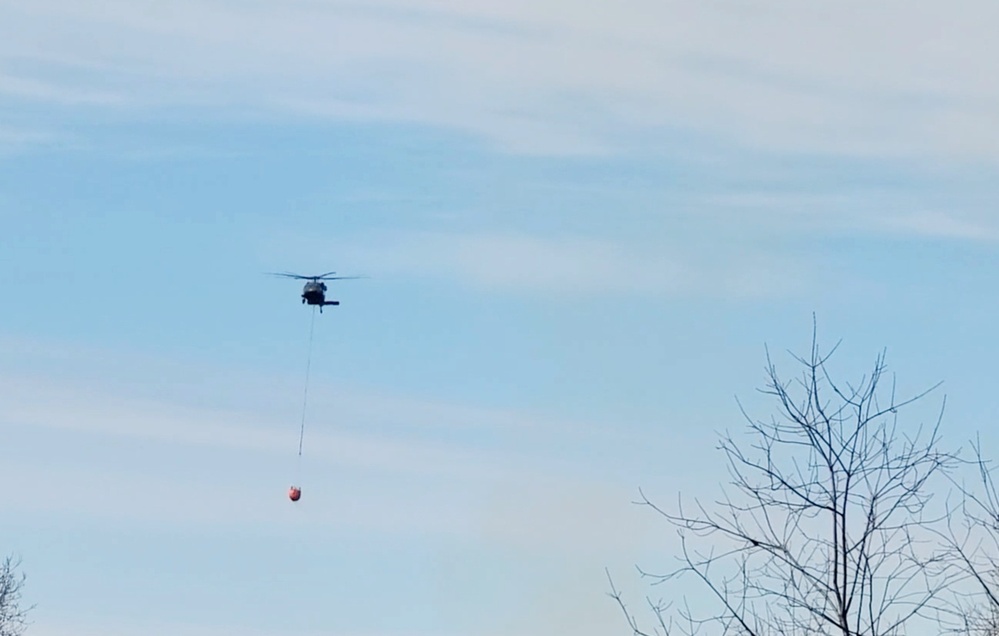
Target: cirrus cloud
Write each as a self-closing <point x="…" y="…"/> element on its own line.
<point x="549" y="76"/>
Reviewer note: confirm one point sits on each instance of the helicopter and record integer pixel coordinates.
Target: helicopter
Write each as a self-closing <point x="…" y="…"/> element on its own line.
<point x="314" y="292"/>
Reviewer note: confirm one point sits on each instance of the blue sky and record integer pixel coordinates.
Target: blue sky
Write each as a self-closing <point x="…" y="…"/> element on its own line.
<point x="581" y="222"/>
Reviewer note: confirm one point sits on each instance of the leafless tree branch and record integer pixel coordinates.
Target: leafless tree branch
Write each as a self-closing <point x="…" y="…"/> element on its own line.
<point x="972" y="535"/>
<point x="828" y="528"/>
<point x="13" y="618"/>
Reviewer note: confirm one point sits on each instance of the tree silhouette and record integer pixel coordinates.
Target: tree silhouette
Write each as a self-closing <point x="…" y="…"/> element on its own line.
<point x="828" y="530"/>
<point x="973" y="537"/>
<point x="13" y="618"/>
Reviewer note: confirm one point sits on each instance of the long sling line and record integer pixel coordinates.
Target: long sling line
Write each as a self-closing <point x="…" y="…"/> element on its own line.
<point x="305" y="399"/>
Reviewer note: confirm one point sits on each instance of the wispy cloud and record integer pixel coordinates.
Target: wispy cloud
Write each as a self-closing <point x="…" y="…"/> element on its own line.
<point x="14" y="139"/>
<point x="37" y="90"/>
<point x="573" y="266"/>
<point x="547" y="76"/>
<point x="869" y="212"/>
<point x="418" y="482"/>
<point x="28" y="404"/>
<point x="942" y="225"/>
<point x="131" y="384"/>
<point x="90" y="626"/>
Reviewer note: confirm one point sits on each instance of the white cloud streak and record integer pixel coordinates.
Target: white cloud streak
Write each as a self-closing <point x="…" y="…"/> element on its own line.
<point x="943" y="225"/>
<point x="411" y="483"/>
<point x="550" y="76"/>
<point x="761" y="264"/>
<point x="95" y="627"/>
<point x="31" y="405"/>
<point x="570" y="267"/>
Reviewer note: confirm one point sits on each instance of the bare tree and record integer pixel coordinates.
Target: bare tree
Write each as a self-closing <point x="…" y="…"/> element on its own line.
<point x="830" y="529"/>
<point x="973" y="536"/>
<point x="13" y="618"/>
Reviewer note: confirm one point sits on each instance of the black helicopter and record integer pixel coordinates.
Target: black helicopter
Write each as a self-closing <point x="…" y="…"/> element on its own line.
<point x="314" y="292"/>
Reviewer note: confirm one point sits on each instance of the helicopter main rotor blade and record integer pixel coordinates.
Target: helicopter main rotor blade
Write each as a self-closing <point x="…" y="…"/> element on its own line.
<point x="288" y="275"/>
<point x="325" y="276"/>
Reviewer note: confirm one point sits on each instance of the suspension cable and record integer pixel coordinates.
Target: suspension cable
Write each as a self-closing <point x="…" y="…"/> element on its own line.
<point x="308" y="368"/>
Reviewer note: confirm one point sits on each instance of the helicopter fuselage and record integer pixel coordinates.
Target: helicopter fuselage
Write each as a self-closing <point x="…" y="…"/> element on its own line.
<point x="314" y="293"/>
